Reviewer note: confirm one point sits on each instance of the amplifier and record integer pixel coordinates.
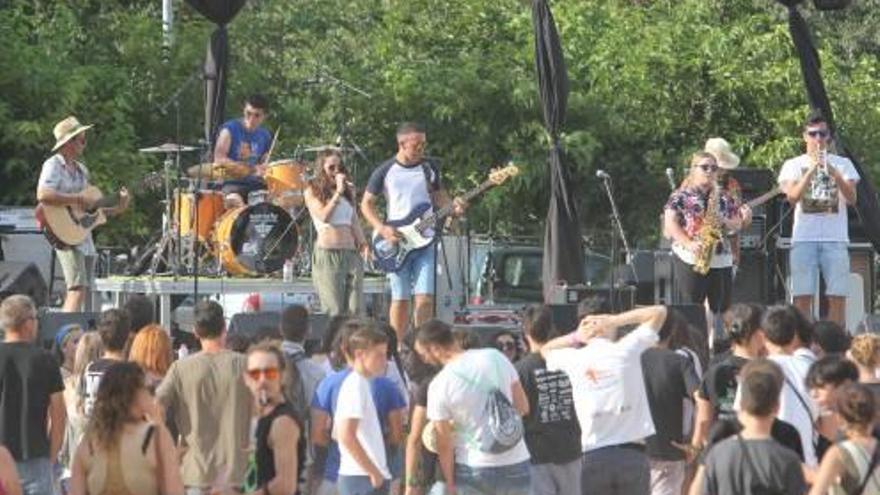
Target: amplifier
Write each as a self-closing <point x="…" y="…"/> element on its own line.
<point x="753" y="236"/>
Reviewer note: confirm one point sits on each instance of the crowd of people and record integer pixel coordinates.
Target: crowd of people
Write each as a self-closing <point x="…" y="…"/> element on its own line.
<point x="629" y="403"/>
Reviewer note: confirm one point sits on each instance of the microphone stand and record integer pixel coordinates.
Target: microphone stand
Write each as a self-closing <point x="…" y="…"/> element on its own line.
<point x="617" y="231"/>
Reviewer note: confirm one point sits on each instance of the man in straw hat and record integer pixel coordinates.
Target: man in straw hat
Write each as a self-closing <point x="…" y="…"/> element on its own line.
<point x="62" y="182"/>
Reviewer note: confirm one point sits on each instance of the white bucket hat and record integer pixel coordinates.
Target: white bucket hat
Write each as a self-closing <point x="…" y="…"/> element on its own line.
<point x="66" y="130"/>
<point x="720" y="149"/>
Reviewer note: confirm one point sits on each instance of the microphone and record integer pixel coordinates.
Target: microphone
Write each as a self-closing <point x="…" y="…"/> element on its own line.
<point x="601" y="174"/>
<point x="670" y="176"/>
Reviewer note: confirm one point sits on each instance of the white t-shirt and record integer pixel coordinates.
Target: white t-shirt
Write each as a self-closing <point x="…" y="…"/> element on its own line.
<point x="791" y="409"/>
<point x="404" y="186"/>
<point x="459" y="393"/>
<point x="609" y="388"/>
<point x="356" y="401"/>
<point x="820" y="215"/>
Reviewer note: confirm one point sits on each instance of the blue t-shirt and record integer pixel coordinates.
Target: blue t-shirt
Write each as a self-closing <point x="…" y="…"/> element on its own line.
<point x="386" y="396"/>
<point x="247" y="147"/>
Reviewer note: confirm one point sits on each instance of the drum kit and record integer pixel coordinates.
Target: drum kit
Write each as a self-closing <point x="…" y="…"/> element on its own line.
<point x="204" y="233"/>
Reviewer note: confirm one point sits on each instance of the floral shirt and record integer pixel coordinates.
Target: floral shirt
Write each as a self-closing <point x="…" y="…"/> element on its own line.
<point x="689" y="204"/>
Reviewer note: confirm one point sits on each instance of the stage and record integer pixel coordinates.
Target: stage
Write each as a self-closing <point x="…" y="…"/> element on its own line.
<point x="165" y="287"/>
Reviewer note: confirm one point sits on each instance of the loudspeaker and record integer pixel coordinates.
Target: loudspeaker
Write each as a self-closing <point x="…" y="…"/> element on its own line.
<point x="22" y="278"/>
<point x="752" y="281"/>
<point x="50" y="322"/>
<point x="253" y="324"/>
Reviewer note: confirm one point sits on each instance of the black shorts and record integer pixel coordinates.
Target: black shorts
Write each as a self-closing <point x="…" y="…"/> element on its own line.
<point x="694" y="288"/>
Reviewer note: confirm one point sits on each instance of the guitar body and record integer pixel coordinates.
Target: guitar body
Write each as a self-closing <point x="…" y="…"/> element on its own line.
<point x="390" y="257"/>
<point x="69" y="226"/>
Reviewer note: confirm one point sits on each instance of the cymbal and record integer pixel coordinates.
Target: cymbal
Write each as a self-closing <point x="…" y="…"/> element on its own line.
<point x="215" y="171"/>
<point x="328" y="147"/>
<point x="169" y="148"/>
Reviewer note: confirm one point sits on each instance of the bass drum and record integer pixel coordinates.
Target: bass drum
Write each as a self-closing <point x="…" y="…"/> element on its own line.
<point x="255" y="239"/>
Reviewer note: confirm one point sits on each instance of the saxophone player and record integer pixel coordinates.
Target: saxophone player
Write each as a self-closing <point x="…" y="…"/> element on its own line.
<point x="820" y="185"/>
<point x="697" y="218"/>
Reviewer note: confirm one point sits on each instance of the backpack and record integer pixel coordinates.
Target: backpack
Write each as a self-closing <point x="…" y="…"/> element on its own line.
<point x="294" y="388"/>
<point x="504" y="426"/>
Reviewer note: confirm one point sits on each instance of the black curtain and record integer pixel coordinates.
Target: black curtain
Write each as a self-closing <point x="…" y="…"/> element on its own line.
<point x="216" y="66"/>
<point x="867" y="205"/>
<point x="563" y="251"/>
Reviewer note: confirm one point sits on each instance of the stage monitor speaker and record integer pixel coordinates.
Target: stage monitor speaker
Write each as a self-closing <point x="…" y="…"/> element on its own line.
<point x="256" y="323"/>
<point x="22" y="278"/>
<point x="695" y="314"/>
<point x="753" y="181"/>
<point x="752" y="281"/>
<point x="50" y="322"/>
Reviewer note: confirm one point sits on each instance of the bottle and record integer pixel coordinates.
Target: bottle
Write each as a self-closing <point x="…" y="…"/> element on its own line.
<point x="287" y="272"/>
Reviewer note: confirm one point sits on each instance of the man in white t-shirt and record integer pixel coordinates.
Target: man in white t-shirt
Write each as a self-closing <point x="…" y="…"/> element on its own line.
<point x="363" y="464"/>
<point x="609" y="396"/>
<point x="796" y="406"/>
<point x="457" y="400"/>
<point x="821" y="185"/>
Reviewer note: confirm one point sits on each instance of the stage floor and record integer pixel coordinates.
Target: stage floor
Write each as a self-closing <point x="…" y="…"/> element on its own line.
<point x="163" y="287"/>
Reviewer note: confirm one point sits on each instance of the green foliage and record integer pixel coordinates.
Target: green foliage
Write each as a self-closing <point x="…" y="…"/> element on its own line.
<point x="650" y="82"/>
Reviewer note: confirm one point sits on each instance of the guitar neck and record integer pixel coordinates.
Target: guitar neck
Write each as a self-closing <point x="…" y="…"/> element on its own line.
<point x="764" y="197"/>
<point x="447" y="210"/>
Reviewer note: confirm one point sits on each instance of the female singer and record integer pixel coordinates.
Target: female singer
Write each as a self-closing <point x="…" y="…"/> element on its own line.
<point x="337" y="266"/>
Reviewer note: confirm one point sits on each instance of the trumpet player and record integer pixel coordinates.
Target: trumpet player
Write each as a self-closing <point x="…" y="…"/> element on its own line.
<point x="697" y="218"/>
<point x="820" y="185"/>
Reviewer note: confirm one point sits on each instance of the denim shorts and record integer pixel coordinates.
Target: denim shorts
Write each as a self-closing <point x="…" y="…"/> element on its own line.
<point x="37" y="476"/>
<point x="416" y="276"/>
<point x="360" y="485"/>
<point x="808" y="258"/>
<point x="513" y="479"/>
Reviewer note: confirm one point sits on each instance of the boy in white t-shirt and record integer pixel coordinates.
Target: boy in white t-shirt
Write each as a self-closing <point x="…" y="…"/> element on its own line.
<point x="821" y="185"/>
<point x="363" y="468"/>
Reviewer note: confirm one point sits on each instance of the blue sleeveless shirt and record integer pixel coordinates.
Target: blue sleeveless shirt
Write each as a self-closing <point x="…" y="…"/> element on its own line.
<point x="247" y="147"/>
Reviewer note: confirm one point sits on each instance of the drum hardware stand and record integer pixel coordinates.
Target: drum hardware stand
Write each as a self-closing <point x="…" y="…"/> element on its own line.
<point x="169" y="242"/>
<point x="294" y="219"/>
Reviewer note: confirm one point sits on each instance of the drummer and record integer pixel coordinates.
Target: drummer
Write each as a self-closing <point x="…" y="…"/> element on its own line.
<point x="245" y="141"/>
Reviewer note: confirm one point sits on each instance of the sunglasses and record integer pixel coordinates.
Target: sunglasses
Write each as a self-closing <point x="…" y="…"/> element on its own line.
<point x="507" y="345"/>
<point x="705" y="167"/>
<point x="271" y="374"/>
<point x="818" y="134"/>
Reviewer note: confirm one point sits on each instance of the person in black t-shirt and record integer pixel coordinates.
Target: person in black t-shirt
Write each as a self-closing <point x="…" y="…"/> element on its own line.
<point x="752" y="462"/>
<point x="552" y="430"/>
<point x="670" y="378"/>
<point x="114" y="327"/>
<point x="717" y="391"/>
<point x="279" y="442"/>
<point x="31" y="397"/>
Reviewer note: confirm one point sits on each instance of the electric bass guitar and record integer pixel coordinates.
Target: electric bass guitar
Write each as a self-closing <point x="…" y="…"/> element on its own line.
<point x="418" y="230"/>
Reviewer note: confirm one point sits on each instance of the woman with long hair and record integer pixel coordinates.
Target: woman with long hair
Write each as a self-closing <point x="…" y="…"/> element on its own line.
<point x="122" y="451"/>
<point x="64" y="347"/>
<point x="689" y="213"/>
<point x="337" y="265"/>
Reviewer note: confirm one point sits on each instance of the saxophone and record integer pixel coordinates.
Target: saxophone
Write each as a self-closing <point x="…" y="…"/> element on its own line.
<point x="710" y="232"/>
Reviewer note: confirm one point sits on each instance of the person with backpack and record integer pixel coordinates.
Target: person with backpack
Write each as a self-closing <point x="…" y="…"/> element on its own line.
<point x="850" y="466"/>
<point x="479" y="392"/>
<point x="609" y="396"/>
<point x="301" y="374"/>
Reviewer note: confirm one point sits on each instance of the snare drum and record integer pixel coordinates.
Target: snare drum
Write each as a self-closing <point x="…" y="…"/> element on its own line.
<point x="255" y="239"/>
<point x="286" y="182"/>
<point x="203" y="211"/>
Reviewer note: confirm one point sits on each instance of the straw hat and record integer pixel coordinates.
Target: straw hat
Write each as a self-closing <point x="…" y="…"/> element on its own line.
<point x="66" y="130"/>
<point x="720" y="149"/>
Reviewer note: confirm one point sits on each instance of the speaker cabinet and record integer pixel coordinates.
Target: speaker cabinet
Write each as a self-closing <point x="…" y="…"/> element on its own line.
<point x="256" y="323"/>
<point x="752" y="281"/>
<point x="22" y="278"/>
